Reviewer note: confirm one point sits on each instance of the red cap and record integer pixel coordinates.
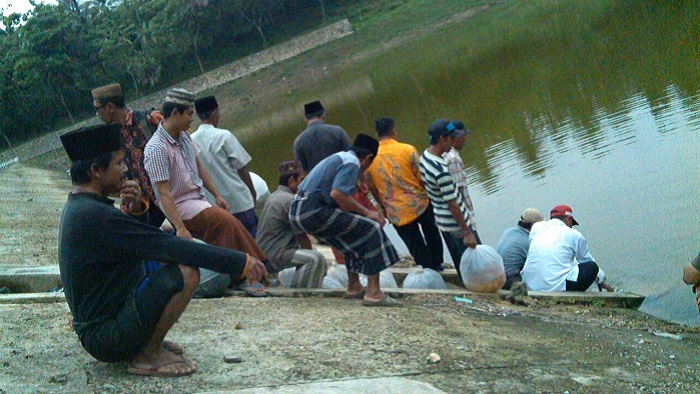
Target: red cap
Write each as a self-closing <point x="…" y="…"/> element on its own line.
<point x="563" y="210"/>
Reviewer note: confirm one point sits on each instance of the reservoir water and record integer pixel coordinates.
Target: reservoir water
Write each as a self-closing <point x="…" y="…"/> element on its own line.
<point x="591" y="104"/>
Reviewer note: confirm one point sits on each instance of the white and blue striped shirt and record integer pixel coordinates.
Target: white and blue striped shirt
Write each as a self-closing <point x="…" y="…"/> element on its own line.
<point x="441" y="188"/>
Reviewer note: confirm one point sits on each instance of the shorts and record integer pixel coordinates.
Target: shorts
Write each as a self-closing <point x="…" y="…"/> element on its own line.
<point x="122" y="336"/>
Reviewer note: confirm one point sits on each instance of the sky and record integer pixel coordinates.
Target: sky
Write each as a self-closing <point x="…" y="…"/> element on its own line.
<point x="21" y="6"/>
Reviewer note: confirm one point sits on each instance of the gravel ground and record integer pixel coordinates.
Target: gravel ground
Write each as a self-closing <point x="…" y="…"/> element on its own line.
<point x="484" y="347"/>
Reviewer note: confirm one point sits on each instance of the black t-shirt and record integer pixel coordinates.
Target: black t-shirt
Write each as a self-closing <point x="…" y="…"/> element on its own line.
<point x="101" y="251"/>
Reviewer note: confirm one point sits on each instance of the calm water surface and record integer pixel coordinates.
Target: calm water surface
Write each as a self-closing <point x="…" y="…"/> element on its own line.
<point x="598" y="109"/>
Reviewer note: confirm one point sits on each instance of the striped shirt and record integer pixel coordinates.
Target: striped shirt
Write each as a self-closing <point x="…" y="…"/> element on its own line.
<point x="167" y="159"/>
<point x="441" y="188"/>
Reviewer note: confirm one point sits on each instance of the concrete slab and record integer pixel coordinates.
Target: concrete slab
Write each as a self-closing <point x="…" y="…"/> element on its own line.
<point x="389" y="385"/>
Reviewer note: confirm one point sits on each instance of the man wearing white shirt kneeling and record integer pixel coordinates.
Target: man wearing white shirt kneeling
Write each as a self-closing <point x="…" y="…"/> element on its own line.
<point x="559" y="258"/>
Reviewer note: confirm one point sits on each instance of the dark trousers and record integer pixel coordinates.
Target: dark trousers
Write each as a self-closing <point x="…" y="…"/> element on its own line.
<point x="587" y="272"/>
<point x="155" y="217"/>
<point x="425" y="247"/>
<point x="456" y="247"/>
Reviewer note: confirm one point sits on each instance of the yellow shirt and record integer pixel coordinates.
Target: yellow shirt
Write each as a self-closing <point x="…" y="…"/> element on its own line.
<point x="396" y="175"/>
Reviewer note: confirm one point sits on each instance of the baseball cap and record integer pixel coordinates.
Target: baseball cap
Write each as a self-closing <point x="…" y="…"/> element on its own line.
<point x="531" y="215"/>
<point x="563" y="210"/>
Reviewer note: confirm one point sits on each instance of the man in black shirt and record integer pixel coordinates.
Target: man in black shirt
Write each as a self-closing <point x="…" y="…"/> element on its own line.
<point x="121" y="311"/>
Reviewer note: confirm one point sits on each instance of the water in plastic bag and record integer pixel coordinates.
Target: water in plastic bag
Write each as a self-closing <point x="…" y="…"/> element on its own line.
<point x="336" y="277"/>
<point x="424" y="278"/>
<point x="386" y="280"/>
<point x="482" y="269"/>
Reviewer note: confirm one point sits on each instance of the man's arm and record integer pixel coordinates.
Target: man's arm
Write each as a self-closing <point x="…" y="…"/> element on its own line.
<point x="209" y="185"/>
<point x="304" y="241"/>
<point x="469" y="239"/>
<point x="245" y="177"/>
<point x="347" y="203"/>
<point x="170" y="209"/>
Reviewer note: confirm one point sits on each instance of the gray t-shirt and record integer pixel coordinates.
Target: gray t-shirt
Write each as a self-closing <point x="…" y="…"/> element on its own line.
<point x="275" y="231"/>
<point x="339" y="171"/>
<point x="319" y="141"/>
<point x="513" y="247"/>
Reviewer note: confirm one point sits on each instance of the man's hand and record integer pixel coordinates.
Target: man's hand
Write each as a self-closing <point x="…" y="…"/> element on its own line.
<point x="130" y="193"/>
<point x="184" y="233"/>
<point x="374" y="215"/>
<point x="469" y="240"/>
<point x="255" y="270"/>
<point x="603" y="285"/>
<point x="222" y="203"/>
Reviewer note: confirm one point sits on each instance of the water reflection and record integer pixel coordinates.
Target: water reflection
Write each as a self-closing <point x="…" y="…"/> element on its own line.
<point x="595" y="106"/>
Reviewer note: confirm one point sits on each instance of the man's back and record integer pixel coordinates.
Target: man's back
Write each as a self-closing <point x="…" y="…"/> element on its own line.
<point x="554" y="255"/>
<point x="222" y="156"/>
<point x="513" y="247"/>
<point x="396" y="175"/>
<point x="275" y="232"/>
<point x="319" y="141"/>
<point x="441" y="188"/>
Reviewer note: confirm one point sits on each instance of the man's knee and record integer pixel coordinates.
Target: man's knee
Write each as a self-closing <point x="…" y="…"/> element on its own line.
<point x="190" y="276"/>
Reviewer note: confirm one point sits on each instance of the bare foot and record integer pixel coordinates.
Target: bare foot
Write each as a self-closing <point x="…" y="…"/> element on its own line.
<point x="162" y="363"/>
<point x="173" y="347"/>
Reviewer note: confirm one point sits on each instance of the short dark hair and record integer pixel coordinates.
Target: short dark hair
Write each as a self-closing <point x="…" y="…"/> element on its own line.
<point x="384" y="126"/>
<point x="316" y="114"/>
<point x="119" y="101"/>
<point x="525" y="225"/>
<point x="206" y="115"/>
<point x="80" y="170"/>
<point x="360" y="152"/>
<point x="169" y="107"/>
<point x="284" y="179"/>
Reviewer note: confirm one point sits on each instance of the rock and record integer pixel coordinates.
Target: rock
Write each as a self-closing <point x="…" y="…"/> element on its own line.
<point x="232" y="359"/>
<point x="434" y="358"/>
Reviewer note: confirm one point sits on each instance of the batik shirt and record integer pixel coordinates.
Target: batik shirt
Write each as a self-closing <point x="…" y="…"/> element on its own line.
<point x="134" y="143"/>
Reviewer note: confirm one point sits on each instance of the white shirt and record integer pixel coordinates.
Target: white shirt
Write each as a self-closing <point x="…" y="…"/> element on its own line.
<point x="554" y="255"/>
<point x="222" y="156"/>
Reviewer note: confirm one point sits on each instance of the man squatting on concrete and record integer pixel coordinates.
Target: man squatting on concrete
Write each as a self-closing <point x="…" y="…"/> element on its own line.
<point x="559" y="258"/>
<point x="395" y="181"/>
<point x="323" y="207"/>
<point x="121" y="312"/>
<point x="110" y="107"/>
<point x="451" y="214"/>
<point x="284" y="245"/>
<point x="226" y="161"/>
<point x="179" y="180"/>
<point x="514" y="245"/>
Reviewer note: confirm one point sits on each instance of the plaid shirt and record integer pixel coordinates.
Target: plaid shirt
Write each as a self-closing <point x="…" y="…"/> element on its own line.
<point x="456" y="166"/>
<point x="167" y="159"/>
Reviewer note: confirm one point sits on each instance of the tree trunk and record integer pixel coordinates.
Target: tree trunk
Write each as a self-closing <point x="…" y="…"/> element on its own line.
<point x="63" y="102"/>
<point x="196" y="55"/>
<point x="323" y="11"/>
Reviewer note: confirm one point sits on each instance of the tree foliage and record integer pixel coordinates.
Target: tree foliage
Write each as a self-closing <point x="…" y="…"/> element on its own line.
<point x="52" y="56"/>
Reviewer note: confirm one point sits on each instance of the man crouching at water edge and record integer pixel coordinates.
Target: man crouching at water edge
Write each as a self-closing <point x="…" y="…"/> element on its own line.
<point x="559" y="258"/>
<point x="324" y="207"/>
<point x="121" y="312"/>
<point x="691" y="276"/>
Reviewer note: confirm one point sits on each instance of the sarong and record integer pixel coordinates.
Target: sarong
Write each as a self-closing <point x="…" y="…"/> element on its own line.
<point x="365" y="246"/>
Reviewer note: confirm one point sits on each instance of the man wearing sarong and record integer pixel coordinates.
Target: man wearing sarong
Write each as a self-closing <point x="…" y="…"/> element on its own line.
<point x="179" y="181"/>
<point x="324" y="207"/>
<point x="121" y="312"/>
<point x="110" y="107"/>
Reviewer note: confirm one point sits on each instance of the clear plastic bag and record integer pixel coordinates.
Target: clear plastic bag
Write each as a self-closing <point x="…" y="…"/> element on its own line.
<point x="424" y="278"/>
<point x="482" y="269"/>
<point x="386" y="280"/>
<point x="336" y="277"/>
<point x="286" y="276"/>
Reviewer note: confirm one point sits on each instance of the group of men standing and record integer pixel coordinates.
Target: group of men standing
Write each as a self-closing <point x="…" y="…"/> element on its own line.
<point x="127" y="281"/>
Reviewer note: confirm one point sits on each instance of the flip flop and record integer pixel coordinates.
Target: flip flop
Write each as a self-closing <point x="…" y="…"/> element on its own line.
<point x="356" y="296"/>
<point x="251" y="289"/>
<point x="386" y="301"/>
<point x="154" y="370"/>
<point x="173" y="347"/>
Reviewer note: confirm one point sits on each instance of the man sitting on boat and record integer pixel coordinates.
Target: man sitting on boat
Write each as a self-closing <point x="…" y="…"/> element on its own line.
<point x="559" y="258"/>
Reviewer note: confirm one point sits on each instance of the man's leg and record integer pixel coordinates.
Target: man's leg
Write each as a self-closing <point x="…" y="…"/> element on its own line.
<point x="153" y="354"/>
<point x="310" y="266"/>
<point x="410" y="235"/>
<point x="249" y="221"/>
<point x="587" y="273"/>
<point x="354" y="286"/>
<point x="456" y="247"/>
<point x="432" y="237"/>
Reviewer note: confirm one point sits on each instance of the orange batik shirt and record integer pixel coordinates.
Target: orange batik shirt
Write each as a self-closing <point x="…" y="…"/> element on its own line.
<point x="395" y="175"/>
